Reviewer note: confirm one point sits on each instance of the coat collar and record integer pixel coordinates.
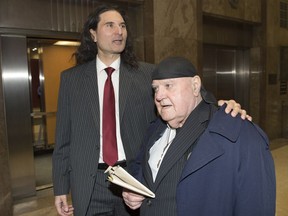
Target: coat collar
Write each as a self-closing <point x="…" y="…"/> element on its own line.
<point x="125" y="86"/>
<point x="186" y="136"/>
<point x="222" y="124"/>
<point x="208" y="148"/>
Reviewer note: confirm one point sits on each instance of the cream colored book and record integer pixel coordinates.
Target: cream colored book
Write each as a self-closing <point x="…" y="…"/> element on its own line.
<point x="121" y="177"/>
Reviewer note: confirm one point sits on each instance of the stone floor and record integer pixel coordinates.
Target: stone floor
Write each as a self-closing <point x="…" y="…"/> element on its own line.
<point x="43" y="203"/>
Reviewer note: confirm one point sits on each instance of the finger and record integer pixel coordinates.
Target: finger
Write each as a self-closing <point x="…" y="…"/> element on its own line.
<point x="232" y="106"/>
<point x="133" y="205"/>
<point x="59" y="208"/>
<point x="221" y="102"/>
<point x="133" y="196"/>
<point x="70" y="210"/>
<point x="249" y="117"/>
<point x="243" y="114"/>
<point x="65" y="207"/>
<point x="234" y="110"/>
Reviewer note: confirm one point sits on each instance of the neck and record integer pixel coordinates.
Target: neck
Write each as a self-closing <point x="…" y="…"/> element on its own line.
<point x="108" y="59"/>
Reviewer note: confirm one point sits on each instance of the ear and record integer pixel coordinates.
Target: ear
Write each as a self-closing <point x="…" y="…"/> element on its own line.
<point x="196" y="85"/>
<point x="93" y="35"/>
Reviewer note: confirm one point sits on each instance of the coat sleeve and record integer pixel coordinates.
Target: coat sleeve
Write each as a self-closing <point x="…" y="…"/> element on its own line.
<point x="256" y="174"/>
<point x="60" y="158"/>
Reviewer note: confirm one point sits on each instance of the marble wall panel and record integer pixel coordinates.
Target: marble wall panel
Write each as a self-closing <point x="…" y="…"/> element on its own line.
<point x="273" y="104"/>
<point x="176" y="29"/>
<point x="215" y="31"/>
<point x="273" y="24"/>
<point x="175" y="19"/>
<point x="276" y="37"/>
<point x="243" y="10"/>
<point x="169" y="46"/>
<point x="254" y="83"/>
<point x="252" y="10"/>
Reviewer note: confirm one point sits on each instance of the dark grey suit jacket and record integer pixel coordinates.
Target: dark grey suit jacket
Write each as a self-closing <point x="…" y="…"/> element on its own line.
<point x="76" y="152"/>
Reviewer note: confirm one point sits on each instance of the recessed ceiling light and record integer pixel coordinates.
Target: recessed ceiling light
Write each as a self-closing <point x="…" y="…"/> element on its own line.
<point x="67" y="43"/>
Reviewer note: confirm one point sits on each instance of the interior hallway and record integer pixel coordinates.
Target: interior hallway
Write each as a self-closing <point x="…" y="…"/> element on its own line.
<point x="43" y="204"/>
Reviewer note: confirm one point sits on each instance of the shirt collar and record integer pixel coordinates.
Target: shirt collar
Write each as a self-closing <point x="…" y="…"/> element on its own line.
<point x="101" y="66"/>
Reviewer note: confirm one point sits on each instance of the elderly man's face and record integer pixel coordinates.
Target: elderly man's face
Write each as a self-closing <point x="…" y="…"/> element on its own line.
<point x="175" y="99"/>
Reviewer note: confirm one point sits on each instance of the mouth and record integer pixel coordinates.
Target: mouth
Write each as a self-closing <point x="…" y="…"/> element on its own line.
<point x="118" y="41"/>
<point x="166" y="106"/>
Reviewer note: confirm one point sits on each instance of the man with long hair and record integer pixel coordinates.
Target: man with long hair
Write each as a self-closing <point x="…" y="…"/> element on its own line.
<point x="105" y="56"/>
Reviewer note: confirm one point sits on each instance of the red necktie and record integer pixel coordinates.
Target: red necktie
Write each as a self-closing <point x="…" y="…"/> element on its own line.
<point x="110" y="153"/>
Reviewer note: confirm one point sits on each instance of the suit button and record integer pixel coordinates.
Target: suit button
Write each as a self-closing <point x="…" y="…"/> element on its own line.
<point x="149" y="202"/>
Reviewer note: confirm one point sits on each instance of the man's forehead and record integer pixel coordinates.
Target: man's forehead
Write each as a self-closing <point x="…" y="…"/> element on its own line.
<point x="111" y="16"/>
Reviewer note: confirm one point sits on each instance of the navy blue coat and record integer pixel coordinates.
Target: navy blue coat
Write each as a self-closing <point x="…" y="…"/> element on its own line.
<point x="230" y="172"/>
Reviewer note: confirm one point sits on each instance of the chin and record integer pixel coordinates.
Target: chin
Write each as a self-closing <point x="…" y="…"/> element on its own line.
<point x="168" y="120"/>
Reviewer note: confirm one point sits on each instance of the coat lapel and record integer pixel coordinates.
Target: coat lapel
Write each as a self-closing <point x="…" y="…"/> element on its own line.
<point x="91" y="91"/>
<point x="207" y="148"/>
<point x="125" y="80"/>
<point x="194" y="126"/>
<point x="203" y="153"/>
<point x="185" y="138"/>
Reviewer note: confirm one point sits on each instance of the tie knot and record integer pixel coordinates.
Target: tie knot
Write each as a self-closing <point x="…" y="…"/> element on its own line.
<point x="109" y="70"/>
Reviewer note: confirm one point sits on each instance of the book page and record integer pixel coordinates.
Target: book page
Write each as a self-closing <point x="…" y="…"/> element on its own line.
<point x="121" y="177"/>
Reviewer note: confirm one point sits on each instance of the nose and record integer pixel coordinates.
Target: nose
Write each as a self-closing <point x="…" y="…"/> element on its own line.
<point x="160" y="94"/>
<point x="119" y="30"/>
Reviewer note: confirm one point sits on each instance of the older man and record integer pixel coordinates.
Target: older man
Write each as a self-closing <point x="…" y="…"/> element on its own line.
<point x="105" y="103"/>
<point x="197" y="159"/>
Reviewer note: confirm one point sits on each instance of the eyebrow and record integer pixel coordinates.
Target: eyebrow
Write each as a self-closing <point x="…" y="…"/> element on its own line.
<point x="111" y="22"/>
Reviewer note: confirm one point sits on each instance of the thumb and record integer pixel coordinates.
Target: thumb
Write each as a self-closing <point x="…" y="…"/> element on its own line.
<point x="65" y="206"/>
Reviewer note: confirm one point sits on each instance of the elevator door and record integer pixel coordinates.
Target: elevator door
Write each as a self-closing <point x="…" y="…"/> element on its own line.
<point x="30" y="85"/>
<point x="47" y="59"/>
<point x="226" y="73"/>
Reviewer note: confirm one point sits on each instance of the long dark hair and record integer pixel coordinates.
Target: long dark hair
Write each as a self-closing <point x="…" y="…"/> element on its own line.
<point x="87" y="50"/>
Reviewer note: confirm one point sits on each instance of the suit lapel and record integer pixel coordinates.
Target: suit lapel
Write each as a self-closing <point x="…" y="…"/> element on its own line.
<point x="91" y="91"/>
<point x="125" y="80"/>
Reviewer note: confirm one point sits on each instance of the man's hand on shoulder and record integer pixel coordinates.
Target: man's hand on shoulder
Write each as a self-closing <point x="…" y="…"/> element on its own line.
<point x="234" y="108"/>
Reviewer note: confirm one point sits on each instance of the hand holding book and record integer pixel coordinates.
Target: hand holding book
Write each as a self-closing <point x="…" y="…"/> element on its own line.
<point x="121" y="177"/>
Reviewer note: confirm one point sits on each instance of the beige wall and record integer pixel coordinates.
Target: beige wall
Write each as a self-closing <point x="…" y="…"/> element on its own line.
<point x="176" y="29"/>
<point x="276" y="37"/>
<point x="248" y="10"/>
<point x="55" y="59"/>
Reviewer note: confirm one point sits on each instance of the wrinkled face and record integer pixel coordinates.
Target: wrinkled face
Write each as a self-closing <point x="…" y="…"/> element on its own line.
<point x="111" y="33"/>
<point x="175" y="99"/>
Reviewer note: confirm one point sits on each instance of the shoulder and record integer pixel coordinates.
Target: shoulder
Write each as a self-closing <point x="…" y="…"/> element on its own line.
<point x="146" y="65"/>
<point x="141" y="74"/>
<point x="146" y="68"/>
<point x="232" y="128"/>
<point x="79" y="69"/>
